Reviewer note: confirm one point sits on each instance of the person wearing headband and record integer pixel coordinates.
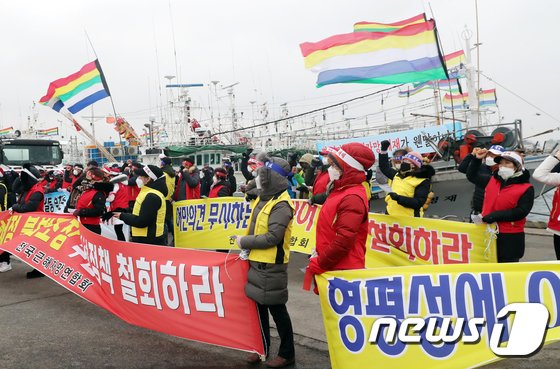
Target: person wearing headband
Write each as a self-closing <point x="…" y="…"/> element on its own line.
<point x="342" y="226"/>
<point x="188" y="181"/>
<point x="170" y="178"/>
<point x="91" y="203"/>
<point x="396" y="161"/>
<point x="268" y="242"/>
<point x="220" y="186"/>
<point x="411" y="184"/>
<point x="148" y="215"/>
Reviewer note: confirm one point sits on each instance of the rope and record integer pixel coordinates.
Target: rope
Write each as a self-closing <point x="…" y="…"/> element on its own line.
<point x="491" y="234"/>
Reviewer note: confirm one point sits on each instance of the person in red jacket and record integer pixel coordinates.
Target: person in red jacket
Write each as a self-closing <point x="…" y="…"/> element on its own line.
<point x="342" y="225"/>
<point x="118" y="202"/>
<point x="188" y="181"/>
<point x="221" y="186"/>
<point x="508" y="199"/>
<point x="91" y="203"/>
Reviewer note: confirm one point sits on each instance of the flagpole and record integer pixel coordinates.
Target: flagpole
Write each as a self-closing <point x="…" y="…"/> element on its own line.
<point x="79" y="127"/>
<point x="110" y="96"/>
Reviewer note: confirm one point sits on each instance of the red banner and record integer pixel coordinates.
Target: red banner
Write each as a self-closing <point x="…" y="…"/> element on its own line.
<point x="193" y="294"/>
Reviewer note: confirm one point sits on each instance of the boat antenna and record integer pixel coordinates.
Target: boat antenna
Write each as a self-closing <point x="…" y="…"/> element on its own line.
<point x="110" y="96"/>
<point x="477" y="66"/>
<point x="174" y="45"/>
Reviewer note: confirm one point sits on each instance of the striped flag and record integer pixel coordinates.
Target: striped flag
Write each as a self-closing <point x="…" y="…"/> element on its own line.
<point x="388" y="27"/>
<point x="487" y="97"/>
<point x="456" y="101"/>
<point x="78" y="90"/>
<point x="5" y="131"/>
<point x="408" y="54"/>
<point x="454" y="60"/>
<point x="48" y="132"/>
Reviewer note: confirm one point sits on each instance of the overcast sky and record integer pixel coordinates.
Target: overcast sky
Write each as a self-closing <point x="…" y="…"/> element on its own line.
<point x="254" y="43"/>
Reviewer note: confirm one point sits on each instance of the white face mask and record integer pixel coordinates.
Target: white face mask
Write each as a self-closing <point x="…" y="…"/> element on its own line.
<point x="489" y="161"/>
<point x="139" y="182"/>
<point x="334" y="174"/>
<point x="325" y="160"/>
<point x="250" y="170"/>
<point x="506" y="173"/>
<point x="215" y="180"/>
<point x="75" y="172"/>
<point x="258" y="182"/>
<point x="398" y="166"/>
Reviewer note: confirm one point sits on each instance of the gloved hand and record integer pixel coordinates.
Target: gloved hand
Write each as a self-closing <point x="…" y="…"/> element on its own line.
<point x="394" y="195"/>
<point x="76" y="213"/>
<point x="489" y="219"/>
<point x="385" y="145"/>
<point x="303" y="189"/>
<point x="108" y="215"/>
<point x="314" y="266"/>
<point x="250" y="197"/>
<point x="192" y="169"/>
<point x="237" y="240"/>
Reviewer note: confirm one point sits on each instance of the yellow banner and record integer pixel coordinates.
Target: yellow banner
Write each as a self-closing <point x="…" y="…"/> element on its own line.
<point x="208" y="224"/>
<point x="397" y="317"/>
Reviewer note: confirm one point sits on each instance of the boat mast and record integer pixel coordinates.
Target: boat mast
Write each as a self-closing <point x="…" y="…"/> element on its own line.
<point x="477" y="67"/>
<point x="473" y="102"/>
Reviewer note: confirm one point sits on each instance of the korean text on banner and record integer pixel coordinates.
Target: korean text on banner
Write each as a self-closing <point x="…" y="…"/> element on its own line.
<point x="184" y="293"/>
<point x="420" y="140"/>
<point x="208" y="223"/>
<point x="391" y="241"/>
<point x="55" y="202"/>
<point x="424" y="317"/>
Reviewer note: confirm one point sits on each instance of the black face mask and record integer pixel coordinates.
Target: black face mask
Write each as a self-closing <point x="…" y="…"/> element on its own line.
<point x="405" y="168"/>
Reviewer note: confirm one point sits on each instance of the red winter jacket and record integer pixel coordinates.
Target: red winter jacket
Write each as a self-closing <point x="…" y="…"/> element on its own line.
<point x="343" y="224"/>
<point x="321" y="182"/>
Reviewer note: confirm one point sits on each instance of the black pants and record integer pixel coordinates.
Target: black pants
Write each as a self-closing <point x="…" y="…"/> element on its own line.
<point x="283" y="325"/>
<point x="119" y="232"/>
<point x="5" y="257"/>
<point x="160" y="241"/>
<point x="557" y="246"/>
<point x="95" y="228"/>
<point x="511" y="247"/>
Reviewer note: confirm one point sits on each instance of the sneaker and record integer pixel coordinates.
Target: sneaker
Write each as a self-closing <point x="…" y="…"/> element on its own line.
<point x="5" y="267"/>
<point x="34" y="274"/>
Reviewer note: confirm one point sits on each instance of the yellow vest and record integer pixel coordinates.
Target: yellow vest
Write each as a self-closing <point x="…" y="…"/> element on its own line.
<point x="367" y="186"/>
<point x="404" y="187"/>
<point x="5" y="199"/>
<point x="170" y="183"/>
<point x="160" y="220"/>
<point x="268" y="255"/>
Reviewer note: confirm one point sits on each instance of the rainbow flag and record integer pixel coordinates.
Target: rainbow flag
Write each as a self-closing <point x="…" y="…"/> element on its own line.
<point x="48" y="132"/>
<point x="78" y="90"/>
<point x="454" y="60"/>
<point x="456" y="101"/>
<point x="409" y="54"/>
<point x="5" y="131"/>
<point x="388" y="27"/>
<point x="416" y="88"/>
<point x="487" y="97"/>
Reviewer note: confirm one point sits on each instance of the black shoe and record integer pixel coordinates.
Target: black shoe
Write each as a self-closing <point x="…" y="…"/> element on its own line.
<point x="34" y="274"/>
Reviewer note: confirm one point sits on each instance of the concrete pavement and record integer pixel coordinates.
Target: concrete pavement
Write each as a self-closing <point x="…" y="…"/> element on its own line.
<point x="44" y="326"/>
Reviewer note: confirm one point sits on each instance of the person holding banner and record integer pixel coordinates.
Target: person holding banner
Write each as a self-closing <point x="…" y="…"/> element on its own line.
<point x="32" y="197"/>
<point x="342" y="226"/>
<point x="91" y="203"/>
<point x="411" y="183"/>
<point x="118" y="202"/>
<point x="170" y="178"/>
<point x="220" y="187"/>
<point x="508" y="199"/>
<point x="148" y="215"/>
<point x="268" y="239"/>
<point x="545" y="173"/>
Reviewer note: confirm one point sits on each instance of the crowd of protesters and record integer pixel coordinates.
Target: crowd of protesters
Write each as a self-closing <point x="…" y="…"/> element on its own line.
<point x="141" y="196"/>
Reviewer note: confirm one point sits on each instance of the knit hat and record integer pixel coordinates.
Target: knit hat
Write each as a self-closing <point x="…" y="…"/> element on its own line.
<point x="413" y="158"/>
<point x="150" y="171"/>
<point x="166" y="161"/>
<point x="353" y="155"/>
<point x="512" y="156"/>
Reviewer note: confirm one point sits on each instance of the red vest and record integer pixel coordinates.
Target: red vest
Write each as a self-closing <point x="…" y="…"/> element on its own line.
<point x="121" y="198"/>
<point x="506" y="198"/>
<point x="554" y="221"/>
<point x="325" y="233"/>
<point x="68" y="184"/>
<point x="321" y="182"/>
<point x="192" y="193"/>
<point x="38" y="187"/>
<point x="86" y="202"/>
<point x="214" y="191"/>
<point x="133" y="192"/>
